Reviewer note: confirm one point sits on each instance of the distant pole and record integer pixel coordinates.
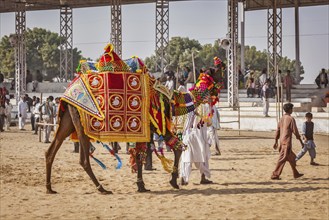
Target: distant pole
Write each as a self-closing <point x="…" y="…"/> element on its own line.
<point x="161" y="32"/>
<point x="297" y="67"/>
<point x="193" y="63"/>
<point x="242" y="36"/>
<point x="19" y="43"/>
<point x="177" y="78"/>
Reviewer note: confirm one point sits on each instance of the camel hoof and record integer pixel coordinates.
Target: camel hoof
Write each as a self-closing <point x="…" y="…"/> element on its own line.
<point x="142" y="190"/>
<point x="174" y="184"/>
<point x="105" y="192"/>
<point x="141" y="187"/>
<point x="50" y="191"/>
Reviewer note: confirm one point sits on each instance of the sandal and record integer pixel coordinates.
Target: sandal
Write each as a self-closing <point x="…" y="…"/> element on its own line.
<point x="205" y="181"/>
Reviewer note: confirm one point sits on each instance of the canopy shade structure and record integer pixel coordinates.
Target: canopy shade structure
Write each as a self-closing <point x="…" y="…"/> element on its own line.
<point x="10" y="5"/>
<point x="252" y="5"/>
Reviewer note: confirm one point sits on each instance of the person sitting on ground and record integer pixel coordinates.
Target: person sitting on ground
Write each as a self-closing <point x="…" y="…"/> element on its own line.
<point x="307" y="136"/>
<point x="322" y="78"/>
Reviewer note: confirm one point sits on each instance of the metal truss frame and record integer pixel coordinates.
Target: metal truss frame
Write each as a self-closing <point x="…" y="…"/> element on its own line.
<point x="66" y="47"/>
<point x="20" y="51"/>
<point x="116" y="26"/>
<point x="162" y="32"/>
<point x="274" y="37"/>
<point x="232" y="71"/>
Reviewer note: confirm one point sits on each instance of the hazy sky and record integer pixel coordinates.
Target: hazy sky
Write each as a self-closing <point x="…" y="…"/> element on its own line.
<point x="203" y="20"/>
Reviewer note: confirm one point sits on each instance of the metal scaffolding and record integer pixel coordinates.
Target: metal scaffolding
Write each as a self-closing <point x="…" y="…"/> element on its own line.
<point x="66" y="48"/>
<point x="19" y="43"/>
<point x="116" y="26"/>
<point x="162" y="32"/>
<point x="232" y="71"/>
<point x="274" y="37"/>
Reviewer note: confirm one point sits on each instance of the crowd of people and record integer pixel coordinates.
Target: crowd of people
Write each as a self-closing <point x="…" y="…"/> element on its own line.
<point x="38" y="111"/>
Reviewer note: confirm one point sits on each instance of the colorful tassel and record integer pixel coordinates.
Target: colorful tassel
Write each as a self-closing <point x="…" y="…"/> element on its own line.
<point x="166" y="163"/>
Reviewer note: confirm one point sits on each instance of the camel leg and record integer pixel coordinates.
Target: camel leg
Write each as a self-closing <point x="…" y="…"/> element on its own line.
<point x="140" y="182"/>
<point x="174" y="174"/>
<point x="63" y="131"/>
<point x="84" y="149"/>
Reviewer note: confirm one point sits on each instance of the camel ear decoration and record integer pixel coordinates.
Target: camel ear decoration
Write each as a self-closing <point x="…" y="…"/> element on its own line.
<point x="108" y="48"/>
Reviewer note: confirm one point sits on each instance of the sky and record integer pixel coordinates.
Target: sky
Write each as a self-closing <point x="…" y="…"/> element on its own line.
<point x="203" y="20"/>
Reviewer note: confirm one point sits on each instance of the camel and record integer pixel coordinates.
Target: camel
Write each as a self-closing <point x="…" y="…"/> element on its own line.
<point x="69" y="121"/>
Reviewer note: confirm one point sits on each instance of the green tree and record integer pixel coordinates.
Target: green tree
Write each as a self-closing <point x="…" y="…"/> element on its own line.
<point x="7" y="64"/>
<point x="257" y="60"/>
<point x="42" y="53"/>
<point x="179" y="54"/>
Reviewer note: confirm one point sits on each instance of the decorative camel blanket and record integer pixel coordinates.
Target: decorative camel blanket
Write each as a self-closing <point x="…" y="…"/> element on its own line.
<point x="182" y="103"/>
<point x="113" y="106"/>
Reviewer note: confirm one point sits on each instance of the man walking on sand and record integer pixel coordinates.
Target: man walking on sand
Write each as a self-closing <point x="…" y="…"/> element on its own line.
<point x="286" y="127"/>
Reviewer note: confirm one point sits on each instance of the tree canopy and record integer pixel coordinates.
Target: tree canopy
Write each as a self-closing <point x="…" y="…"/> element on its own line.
<point x="179" y="54"/>
<point x="42" y="53"/>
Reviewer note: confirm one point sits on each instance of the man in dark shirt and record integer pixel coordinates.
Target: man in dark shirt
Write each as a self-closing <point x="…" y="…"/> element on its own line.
<point x="307" y="135"/>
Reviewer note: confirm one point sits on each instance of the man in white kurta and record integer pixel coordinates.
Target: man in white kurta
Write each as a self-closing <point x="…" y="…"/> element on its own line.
<point x="198" y="151"/>
<point x="213" y="126"/>
<point x="22" y="113"/>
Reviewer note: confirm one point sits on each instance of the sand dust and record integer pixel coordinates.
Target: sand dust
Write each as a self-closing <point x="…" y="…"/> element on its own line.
<point x="242" y="188"/>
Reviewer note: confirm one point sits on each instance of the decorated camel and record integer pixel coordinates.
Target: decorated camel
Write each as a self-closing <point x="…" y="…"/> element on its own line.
<point x="113" y="101"/>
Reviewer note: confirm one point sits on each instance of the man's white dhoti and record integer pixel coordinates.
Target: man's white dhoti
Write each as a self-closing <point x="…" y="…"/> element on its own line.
<point x="198" y="151"/>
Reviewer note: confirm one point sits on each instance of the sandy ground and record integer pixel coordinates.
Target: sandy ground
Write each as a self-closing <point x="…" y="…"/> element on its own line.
<point x="242" y="188"/>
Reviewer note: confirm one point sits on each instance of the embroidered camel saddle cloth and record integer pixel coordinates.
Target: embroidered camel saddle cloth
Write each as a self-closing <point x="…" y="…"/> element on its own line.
<point x="113" y="106"/>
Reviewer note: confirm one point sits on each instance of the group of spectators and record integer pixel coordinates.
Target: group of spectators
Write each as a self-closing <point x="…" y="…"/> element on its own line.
<point x="255" y="86"/>
<point x="39" y="111"/>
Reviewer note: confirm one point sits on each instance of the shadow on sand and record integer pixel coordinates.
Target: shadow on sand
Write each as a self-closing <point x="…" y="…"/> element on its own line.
<point x="243" y="137"/>
<point x="210" y="191"/>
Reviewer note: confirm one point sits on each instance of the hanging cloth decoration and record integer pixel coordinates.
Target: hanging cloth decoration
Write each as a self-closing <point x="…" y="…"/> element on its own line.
<point x="91" y="151"/>
<point x="182" y="103"/>
<point x="166" y="163"/>
<point x="80" y="96"/>
<point x="111" y="151"/>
